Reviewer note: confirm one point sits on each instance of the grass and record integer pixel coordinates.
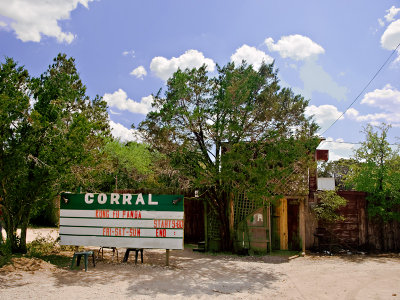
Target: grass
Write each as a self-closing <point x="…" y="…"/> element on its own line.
<point x="44" y="248"/>
<point x="58" y="260"/>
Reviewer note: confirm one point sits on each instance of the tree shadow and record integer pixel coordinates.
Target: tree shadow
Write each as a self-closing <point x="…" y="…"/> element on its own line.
<point x="189" y="274"/>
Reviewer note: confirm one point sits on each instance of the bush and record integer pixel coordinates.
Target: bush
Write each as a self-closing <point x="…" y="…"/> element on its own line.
<point x="327" y="207"/>
<point x="5" y="254"/>
<point x="42" y="246"/>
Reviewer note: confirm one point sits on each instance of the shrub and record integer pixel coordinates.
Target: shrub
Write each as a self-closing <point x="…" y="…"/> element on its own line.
<point x="327" y="207"/>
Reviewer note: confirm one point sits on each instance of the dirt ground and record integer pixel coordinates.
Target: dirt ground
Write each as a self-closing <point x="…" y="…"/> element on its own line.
<point x="193" y="275"/>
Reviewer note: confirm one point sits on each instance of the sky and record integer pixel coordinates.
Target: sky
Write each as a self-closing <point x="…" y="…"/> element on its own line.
<point x="125" y="50"/>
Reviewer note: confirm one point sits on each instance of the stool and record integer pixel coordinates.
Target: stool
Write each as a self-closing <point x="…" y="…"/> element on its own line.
<point x="114" y="249"/>
<point x="136" y="254"/>
<point x="78" y="255"/>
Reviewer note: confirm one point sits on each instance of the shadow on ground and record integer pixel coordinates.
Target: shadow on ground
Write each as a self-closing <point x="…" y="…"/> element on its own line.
<point x="189" y="274"/>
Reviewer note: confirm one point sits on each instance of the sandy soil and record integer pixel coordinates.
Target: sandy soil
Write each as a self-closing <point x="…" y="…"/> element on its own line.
<point x="194" y="275"/>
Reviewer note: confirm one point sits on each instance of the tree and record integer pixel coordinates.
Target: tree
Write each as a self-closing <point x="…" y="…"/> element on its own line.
<point x="43" y="139"/>
<point x="132" y="164"/>
<point x="337" y="169"/>
<point x="377" y="173"/>
<point x="236" y="132"/>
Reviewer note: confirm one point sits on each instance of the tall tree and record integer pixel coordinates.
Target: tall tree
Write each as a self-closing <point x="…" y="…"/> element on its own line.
<point x="48" y="136"/>
<point x="337" y="169"/>
<point x="236" y="132"/>
<point x="377" y="173"/>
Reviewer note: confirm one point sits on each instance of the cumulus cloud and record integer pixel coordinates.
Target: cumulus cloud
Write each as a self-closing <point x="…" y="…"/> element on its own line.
<point x="164" y="68"/>
<point x="139" y="72"/>
<point x="251" y="55"/>
<point x="32" y="19"/>
<point x="316" y="79"/>
<point x="391" y="13"/>
<point x="122" y="133"/>
<point x="391" y="37"/>
<point x="387" y="100"/>
<point x="297" y="47"/>
<point x="119" y="99"/>
<point x="337" y="148"/>
<point x="324" y="115"/>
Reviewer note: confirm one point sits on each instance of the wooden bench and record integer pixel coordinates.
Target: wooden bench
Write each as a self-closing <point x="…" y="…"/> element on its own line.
<point x="77" y="256"/>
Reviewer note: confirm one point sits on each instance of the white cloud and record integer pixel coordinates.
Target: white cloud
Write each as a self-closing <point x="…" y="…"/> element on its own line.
<point x="337" y="148"/>
<point x="119" y="99"/>
<point x="387" y="100"/>
<point x="32" y="19"/>
<point x="316" y="79"/>
<point x="251" y="55"/>
<point x="122" y="133"/>
<point x="297" y="47"/>
<point x="381" y="22"/>
<point x="130" y="53"/>
<point x="164" y="68"/>
<point x="139" y="72"/>
<point x="324" y="115"/>
<point x="391" y="13"/>
<point x="114" y="112"/>
<point x="3" y="24"/>
<point x="391" y="37"/>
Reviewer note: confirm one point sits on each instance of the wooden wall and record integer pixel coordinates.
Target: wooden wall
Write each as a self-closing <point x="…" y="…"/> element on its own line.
<point x="357" y="230"/>
<point x="194" y="221"/>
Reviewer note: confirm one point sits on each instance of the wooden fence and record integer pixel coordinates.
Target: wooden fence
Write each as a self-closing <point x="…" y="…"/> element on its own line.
<point x="359" y="231"/>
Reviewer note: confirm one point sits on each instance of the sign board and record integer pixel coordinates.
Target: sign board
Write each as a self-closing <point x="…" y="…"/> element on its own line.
<point x="122" y="220"/>
<point x="326" y="184"/>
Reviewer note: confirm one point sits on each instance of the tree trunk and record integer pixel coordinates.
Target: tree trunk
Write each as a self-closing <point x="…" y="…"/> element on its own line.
<point x="381" y="235"/>
<point x="22" y="241"/>
<point x="12" y="239"/>
<point x="226" y="235"/>
<point x="17" y="244"/>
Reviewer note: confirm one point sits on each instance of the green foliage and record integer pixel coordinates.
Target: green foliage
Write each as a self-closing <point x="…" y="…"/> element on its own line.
<point x="238" y="131"/>
<point x="5" y="254"/>
<point x="327" y="207"/>
<point x="132" y="164"/>
<point x="377" y="173"/>
<point x="41" y="246"/>
<point x="48" y="249"/>
<point x="337" y="169"/>
<point x="48" y="127"/>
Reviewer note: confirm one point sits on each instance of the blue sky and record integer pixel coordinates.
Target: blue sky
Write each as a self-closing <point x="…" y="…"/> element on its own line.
<point x="124" y="50"/>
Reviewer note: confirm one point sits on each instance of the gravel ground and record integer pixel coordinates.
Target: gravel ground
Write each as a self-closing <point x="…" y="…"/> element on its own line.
<point x="194" y="275"/>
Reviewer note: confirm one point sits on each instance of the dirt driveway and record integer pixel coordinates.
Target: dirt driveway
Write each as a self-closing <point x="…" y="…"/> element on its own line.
<point x="194" y="275"/>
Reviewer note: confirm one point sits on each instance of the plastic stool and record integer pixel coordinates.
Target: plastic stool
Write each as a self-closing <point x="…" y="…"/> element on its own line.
<point x="77" y="257"/>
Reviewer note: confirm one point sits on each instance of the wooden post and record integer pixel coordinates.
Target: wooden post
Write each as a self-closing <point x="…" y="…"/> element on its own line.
<point x="302" y="220"/>
<point x="167" y="258"/>
<point x="205" y="226"/>
<point x="269" y="228"/>
<point x="283" y="224"/>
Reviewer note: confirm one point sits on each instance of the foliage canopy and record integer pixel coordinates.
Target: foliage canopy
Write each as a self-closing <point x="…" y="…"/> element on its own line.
<point x="236" y="132"/>
<point x="377" y="173"/>
<point x="48" y="125"/>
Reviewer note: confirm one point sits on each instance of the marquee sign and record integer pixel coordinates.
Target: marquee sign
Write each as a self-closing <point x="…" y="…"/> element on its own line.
<point x="122" y="220"/>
